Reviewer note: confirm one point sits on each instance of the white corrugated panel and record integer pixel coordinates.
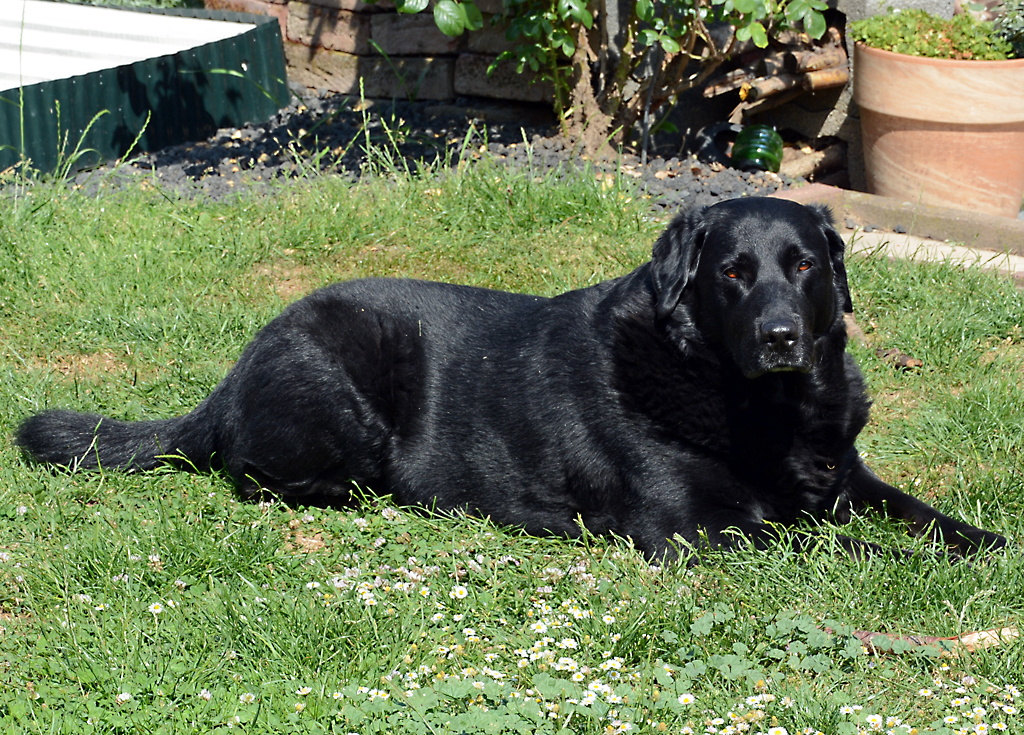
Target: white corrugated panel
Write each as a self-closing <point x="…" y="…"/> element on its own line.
<point x="41" y="41"/>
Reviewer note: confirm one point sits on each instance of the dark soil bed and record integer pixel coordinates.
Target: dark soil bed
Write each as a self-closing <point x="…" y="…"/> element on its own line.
<point x="324" y="132"/>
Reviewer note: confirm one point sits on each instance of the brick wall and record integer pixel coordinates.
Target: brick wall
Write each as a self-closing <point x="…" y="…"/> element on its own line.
<point x="334" y="44"/>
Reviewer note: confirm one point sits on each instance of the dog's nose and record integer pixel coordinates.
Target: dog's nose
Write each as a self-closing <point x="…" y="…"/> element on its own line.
<point x="779" y="334"/>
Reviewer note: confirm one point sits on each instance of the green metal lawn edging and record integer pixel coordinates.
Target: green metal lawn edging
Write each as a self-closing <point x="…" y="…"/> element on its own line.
<point x="187" y="96"/>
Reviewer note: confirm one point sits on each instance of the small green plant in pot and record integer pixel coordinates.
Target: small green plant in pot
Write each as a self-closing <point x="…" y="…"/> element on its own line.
<point x="918" y="33"/>
<point x="940" y="118"/>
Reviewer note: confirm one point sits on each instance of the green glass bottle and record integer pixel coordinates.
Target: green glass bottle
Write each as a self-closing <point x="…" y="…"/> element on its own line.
<point x="757" y="148"/>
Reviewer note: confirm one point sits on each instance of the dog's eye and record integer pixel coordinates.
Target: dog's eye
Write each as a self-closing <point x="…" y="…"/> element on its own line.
<point x="804" y="265"/>
<point x="731" y="273"/>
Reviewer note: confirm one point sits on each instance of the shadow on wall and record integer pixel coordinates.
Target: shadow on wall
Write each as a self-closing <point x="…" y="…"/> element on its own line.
<point x="177" y="104"/>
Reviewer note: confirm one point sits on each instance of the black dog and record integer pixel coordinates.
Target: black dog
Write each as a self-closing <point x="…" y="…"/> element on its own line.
<point x="707" y="390"/>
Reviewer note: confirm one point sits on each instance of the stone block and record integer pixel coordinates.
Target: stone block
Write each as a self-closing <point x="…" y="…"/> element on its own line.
<point x="329" y="28"/>
<point x="357" y="6"/>
<point x="490" y="7"/>
<point x="321" y="68"/>
<point x="256" y="7"/>
<point x="490" y="39"/>
<point x="419" y="78"/>
<point x="416" y="78"/>
<point x="471" y="79"/>
<point x="400" y="34"/>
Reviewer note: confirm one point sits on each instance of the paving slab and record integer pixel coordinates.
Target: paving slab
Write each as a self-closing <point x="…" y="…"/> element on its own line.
<point x="959" y="226"/>
<point x="911" y="247"/>
<point x="928" y="233"/>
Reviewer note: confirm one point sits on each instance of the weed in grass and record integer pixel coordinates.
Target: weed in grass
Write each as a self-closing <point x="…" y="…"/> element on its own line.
<point x="157" y="602"/>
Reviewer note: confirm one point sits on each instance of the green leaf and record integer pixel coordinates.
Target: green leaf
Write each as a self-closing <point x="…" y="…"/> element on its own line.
<point x="663" y="677"/>
<point x="575" y="8"/>
<point x="474" y="18"/>
<point x="648" y="37"/>
<point x="411" y="6"/>
<point x="669" y="44"/>
<point x="702" y="626"/>
<point x="569" y="8"/>
<point x="796" y="9"/>
<point x="814" y="24"/>
<point x="645" y="10"/>
<point x="450" y="18"/>
<point x="758" y="34"/>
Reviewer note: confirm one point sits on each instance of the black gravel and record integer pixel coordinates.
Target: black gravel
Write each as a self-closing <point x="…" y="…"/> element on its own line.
<point x="329" y="133"/>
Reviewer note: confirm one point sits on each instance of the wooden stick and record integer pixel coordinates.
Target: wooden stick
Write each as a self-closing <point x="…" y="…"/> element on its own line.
<point x="828" y="57"/>
<point x="879" y="643"/>
<point x="733" y="80"/>
<point x="774" y="62"/>
<point x="763" y="104"/>
<point x="793" y="38"/>
<point x="767" y="86"/>
<point x="894" y="356"/>
<point x="826" y="79"/>
<point x="814" y="162"/>
<point x="854" y="331"/>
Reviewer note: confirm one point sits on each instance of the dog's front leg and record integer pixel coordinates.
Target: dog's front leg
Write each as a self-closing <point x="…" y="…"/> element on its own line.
<point x="867" y="490"/>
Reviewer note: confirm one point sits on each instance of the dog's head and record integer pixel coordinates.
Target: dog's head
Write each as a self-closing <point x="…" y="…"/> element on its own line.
<point x="761" y="278"/>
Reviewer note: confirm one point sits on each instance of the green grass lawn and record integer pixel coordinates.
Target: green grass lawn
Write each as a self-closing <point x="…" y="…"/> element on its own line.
<point x="161" y="603"/>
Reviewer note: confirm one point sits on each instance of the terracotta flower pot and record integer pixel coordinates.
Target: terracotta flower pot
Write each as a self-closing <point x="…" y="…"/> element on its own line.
<point x="942" y="132"/>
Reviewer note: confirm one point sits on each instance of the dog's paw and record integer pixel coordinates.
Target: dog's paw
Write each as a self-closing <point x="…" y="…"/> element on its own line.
<point x="975" y="540"/>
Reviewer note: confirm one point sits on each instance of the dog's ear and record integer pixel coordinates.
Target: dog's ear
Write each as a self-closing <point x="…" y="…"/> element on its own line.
<point x="674" y="260"/>
<point x="836" y="249"/>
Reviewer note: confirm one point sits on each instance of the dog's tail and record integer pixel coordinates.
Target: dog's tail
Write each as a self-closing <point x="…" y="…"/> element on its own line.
<point x="90" y="441"/>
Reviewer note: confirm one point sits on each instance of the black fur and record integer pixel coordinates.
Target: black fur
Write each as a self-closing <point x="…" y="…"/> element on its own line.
<point x="707" y="390"/>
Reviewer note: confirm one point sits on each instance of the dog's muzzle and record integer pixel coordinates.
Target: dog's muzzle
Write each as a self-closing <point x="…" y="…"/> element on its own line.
<point x="782" y="346"/>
